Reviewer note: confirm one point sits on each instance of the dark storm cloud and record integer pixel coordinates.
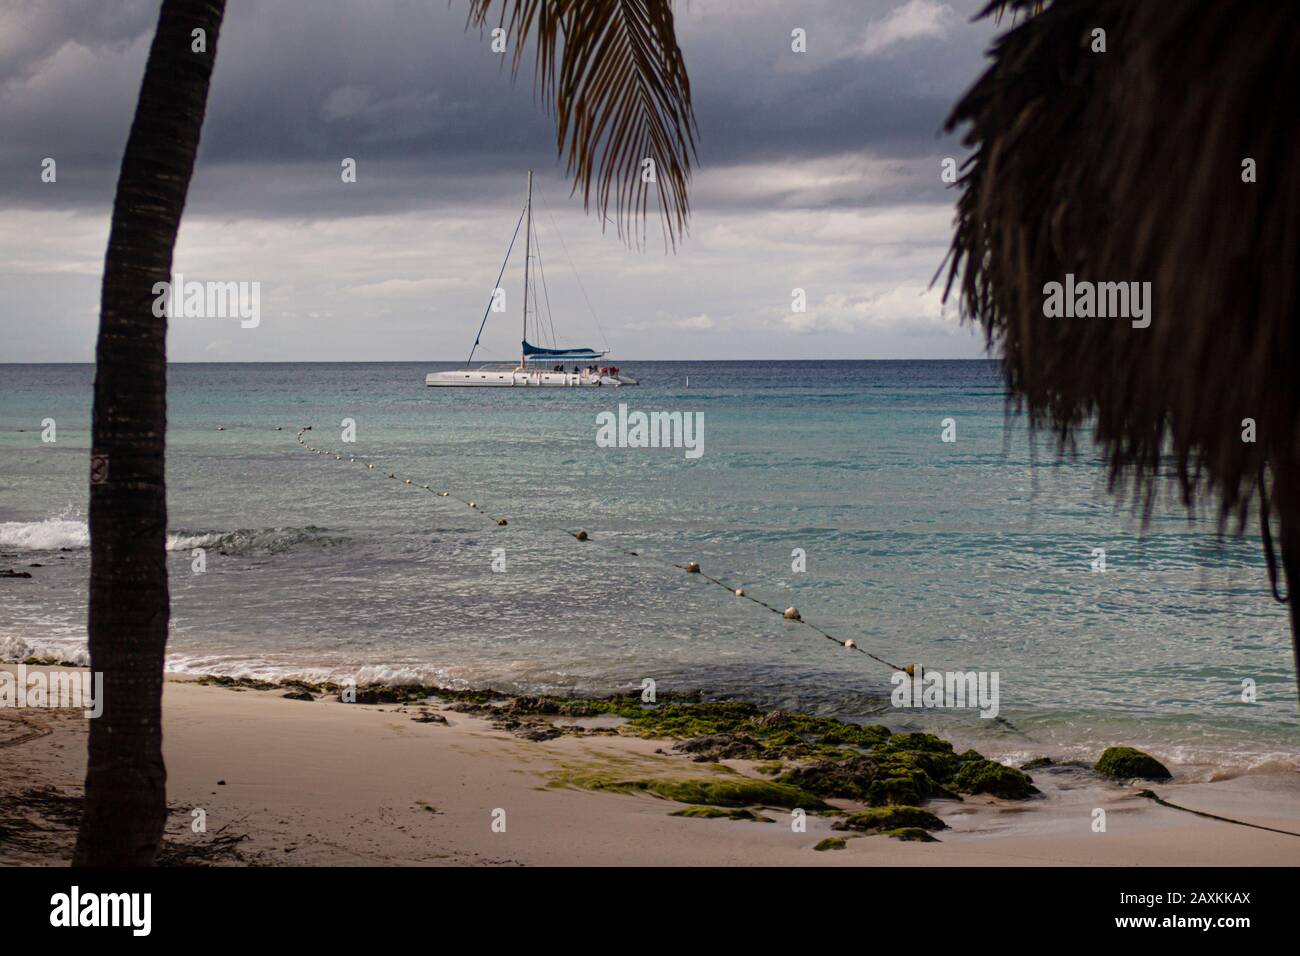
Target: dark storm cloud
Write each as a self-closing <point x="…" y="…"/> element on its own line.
<point x="33" y="31"/>
<point x="430" y="115"/>
<point x="818" y="173"/>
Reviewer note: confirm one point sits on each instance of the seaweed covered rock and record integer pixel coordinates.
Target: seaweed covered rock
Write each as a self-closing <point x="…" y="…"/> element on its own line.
<point x="866" y="778"/>
<point x="850" y="779"/>
<point x="907" y="769"/>
<point x="921" y="742"/>
<point x="989" y="776"/>
<point x="714" y="813"/>
<point x="714" y="747"/>
<point x="928" y="770"/>
<point x="538" y="732"/>
<point x="910" y="835"/>
<point x="384" y="694"/>
<point x="779" y="733"/>
<point x="735" y="791"/>
<point x="687" y="721"/>
<point x="833" y="843"/>
<point x="236" y="683"/>
<point x="890" y="818"/>
<point x="1125" y="763"/>
<point x="529" y="704"/>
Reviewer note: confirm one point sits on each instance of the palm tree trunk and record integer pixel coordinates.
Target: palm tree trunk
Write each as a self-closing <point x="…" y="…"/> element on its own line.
<point x="1287" y="491"/>
<point x="126" y="800"/>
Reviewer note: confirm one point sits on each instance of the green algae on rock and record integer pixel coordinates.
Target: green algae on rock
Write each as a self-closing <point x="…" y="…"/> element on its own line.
<point x="867" y="764"/>
<point x="48" y="662"/>
<point x="890" y="818"/>
<point x="833" y="843"/>
<point x="910" y="835"/>
<point x="721" y="729"/>
<point x="988" y="776"/>
<point x="713" y="813"/>
<point x="237" y="683"/>
<point x="732" y="792"/>
<point x="866" y="777"/>
<point x="906" y="770"/>
<point x="1126" y="763"/>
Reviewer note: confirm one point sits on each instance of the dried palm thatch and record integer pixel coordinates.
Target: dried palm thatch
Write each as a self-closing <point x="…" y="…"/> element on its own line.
<point x="1127" y="165"/>
<point x="613" y="74"/>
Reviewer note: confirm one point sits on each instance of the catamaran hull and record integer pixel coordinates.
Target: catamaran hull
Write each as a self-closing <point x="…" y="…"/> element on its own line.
<point x="517" y="378"/>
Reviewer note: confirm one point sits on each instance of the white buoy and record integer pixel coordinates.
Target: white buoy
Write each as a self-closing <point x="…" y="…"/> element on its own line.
<point x="740" y="592"/>
<point x="792" y="614"/>
<point x="849" y="645"/>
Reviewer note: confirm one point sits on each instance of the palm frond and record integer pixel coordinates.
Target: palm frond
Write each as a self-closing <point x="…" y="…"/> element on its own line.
<point x="998" y="8"/>
<point x="613" y="74"/>
<point x="1127" y="165"/>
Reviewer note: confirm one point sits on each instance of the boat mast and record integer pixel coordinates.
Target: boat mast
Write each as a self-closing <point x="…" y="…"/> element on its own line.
<point x="528" y="235"/>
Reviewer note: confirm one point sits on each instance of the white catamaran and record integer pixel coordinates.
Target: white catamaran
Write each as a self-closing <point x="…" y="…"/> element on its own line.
<point x="538" y="367"/>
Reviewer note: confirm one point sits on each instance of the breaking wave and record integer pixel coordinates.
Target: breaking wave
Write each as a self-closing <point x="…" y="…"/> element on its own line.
<point x="254" y="541"/>
<point x="62" y="533"/>
<point x="15" y="649"/>
<point x="48" y="535"/>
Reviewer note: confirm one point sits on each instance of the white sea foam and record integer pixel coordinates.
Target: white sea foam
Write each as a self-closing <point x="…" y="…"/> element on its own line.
<point x="15" y="649"/>
<point x="48" y="535"/>
<point x="394" y="675"/>
<point x="53" y="534"/>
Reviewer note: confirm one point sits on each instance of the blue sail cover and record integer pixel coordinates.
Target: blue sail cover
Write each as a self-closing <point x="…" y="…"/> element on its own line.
<point x="534" y="353"/>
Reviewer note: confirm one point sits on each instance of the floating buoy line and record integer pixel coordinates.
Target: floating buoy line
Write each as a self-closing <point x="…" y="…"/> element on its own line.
<point x="691" y="567"/>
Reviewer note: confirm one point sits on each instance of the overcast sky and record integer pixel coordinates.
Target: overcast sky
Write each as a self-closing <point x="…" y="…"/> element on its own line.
<point x="817" y="170"/>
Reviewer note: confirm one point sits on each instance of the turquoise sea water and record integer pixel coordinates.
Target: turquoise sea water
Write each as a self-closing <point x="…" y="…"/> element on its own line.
<point x="970" y="555"/>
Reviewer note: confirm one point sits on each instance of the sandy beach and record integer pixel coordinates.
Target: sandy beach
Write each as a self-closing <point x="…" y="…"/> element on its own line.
<point x="284" y="782"/>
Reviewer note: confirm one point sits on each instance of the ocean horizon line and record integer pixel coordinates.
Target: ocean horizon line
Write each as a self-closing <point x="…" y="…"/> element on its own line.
<point x="493" y="361"/>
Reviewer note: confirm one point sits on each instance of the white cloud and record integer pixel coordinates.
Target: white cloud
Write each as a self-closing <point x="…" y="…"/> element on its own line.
<point x="911" y="21"/>
<point x="907" y="307"/>
<point x="693" y="323"/>
<point x="844" y="179"/>
<point x="414" y="285"/>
